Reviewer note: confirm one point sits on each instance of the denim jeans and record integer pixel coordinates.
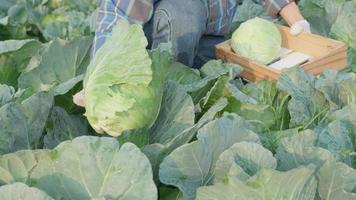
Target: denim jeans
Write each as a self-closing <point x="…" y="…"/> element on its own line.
<point x="183" y="23"/>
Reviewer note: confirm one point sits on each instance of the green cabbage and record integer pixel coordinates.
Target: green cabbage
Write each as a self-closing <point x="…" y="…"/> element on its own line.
<point x="258" y="40"/>
<point x="123" y="87"/>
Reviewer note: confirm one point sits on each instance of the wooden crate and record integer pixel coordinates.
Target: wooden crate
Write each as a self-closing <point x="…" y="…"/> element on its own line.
<point x="326" y="54"/>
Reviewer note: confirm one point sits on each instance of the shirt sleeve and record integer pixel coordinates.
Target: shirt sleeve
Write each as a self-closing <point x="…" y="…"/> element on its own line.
<point x="110" y="11"/>
<point x="273" y="7"/>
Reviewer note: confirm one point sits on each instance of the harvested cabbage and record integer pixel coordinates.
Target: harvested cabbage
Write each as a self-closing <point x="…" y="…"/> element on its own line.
<point x="123" y="87"/>
<point x="258" y="40"/>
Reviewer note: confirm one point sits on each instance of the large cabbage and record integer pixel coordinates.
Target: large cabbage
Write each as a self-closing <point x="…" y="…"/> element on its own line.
<point x="123" y="87"/>
<point x="258" y="40"/>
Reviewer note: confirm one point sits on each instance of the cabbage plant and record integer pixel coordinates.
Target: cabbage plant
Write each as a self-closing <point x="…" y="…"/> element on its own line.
<point x="123" y="87"/>
<point x="258" y="40"/>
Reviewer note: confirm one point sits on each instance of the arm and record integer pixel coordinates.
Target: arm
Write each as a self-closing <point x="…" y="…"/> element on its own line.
<point x="110" y="11"/>
<point x="290" y="12"/>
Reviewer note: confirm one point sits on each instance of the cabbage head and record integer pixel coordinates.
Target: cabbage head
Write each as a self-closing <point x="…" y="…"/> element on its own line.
<point x="258" y="40"/>
<point x="123" y="85"/>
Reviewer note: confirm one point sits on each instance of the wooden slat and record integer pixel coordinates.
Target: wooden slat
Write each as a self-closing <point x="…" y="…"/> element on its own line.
<point x="314" y="45"/>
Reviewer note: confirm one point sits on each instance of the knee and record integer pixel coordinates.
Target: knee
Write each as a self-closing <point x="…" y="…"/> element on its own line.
<point x="172" y="22"/>
<point x="172" y="19"/>
<point x="162" y="23"/>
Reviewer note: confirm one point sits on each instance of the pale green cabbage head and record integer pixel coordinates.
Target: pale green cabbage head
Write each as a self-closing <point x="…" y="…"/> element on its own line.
<point x="123" y="86"/>
<point x="258" y="40"/>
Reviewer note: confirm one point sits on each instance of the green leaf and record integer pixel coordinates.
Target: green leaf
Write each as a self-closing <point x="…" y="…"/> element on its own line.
<point x="307" y="104"/>
<point x="337" y="181"/>
<point x="182" y="74"/>
<point x="247" y="10"/>
<point x="347" y="113"/>
<point x="12" y="45"/>
<point x="8" y="72"/>
<point x="246" y="157"/>
<point x="22" y="124"/>
<point x="168" y="193"/>
<point x="188" y="134"/>
<point x="14" y="58"/>
<point x="17" y="167"/>
<point x="344" y="26"/>
<point x="62" y="126"/>
<point x="21" y="191"/>
<point x="192" y="165"/>
<point x="217" y="91"/>
<point x="58" y="69"/>
<point x="268" y="184"/>
<point x="299" y="149"/>
<point x="339" y="137"/>
<point x="7" y="94"/>
<point x="176" y="115"/>
<point x="218" y="67"/>
<point x="157" y="152"/>
<point x="18" y="14"/>
<point x="63" y="173"/>
<point x="338" y="88"/>
<point x="261" y="117"/>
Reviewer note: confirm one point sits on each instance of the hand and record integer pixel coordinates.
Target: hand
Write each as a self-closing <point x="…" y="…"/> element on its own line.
<point x="78" y="99"/>
<point x="299" y="27"/>
<point x="294" y="18"/>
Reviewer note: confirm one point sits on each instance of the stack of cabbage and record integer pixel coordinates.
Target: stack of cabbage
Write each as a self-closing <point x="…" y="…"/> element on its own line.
<point x="258" y="40"/>
<point x="123" y="86"/>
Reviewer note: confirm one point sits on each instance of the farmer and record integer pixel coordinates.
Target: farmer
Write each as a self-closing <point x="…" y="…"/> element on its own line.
<point x="193" y="27"/>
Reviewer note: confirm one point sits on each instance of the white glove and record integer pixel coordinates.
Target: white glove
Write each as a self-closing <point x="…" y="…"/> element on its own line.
<point x="78" y="99"/>
<point x="300" y="26"/>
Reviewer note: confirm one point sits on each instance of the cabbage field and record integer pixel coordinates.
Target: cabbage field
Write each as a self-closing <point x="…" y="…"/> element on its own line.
<point x="172" y="132"/>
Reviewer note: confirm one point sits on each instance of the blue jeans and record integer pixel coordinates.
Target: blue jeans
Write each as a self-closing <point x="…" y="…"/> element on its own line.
<point x="183" y="23"/>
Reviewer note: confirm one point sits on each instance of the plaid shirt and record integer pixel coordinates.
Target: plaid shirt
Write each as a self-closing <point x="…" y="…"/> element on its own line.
<point x="221" y="13"/>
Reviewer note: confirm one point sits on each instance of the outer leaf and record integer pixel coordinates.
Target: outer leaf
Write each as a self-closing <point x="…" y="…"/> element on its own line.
<point x="157" y="152"/>
<point x="268" y="184"/>
<point x="192" y="165"/>
<point x="12" y="45"/>
<point x="17" y="167"/>
<point x="248" y="10"/>
<point x="62" y="126"/>
<point x="217" y="91"/>
<point x="344" y="26"/>
<point x="6" y="94"/>
<point x="21" y="125"/>
<point x="60" y="63"/>
<point x="307" y="103"/>
<point x="299" y="149"/>
<point x="182" y="74"/>
<point x="84" y="168"/>
<point x="167" y="193"/>
<point x="339" y="137"/>
<point x="337" y="88"/>
<point x="21" y="191"/>
<point x="347" y="113"/>
<point x="176" y="115"/>
<point x="217" y="67"/>
<point x="337" y="181"/>
<point x="249" y="157"/>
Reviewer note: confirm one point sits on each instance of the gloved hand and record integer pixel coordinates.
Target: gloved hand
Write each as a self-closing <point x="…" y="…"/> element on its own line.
<point x="299" y="27"/>
<point x="78" y="99"/>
